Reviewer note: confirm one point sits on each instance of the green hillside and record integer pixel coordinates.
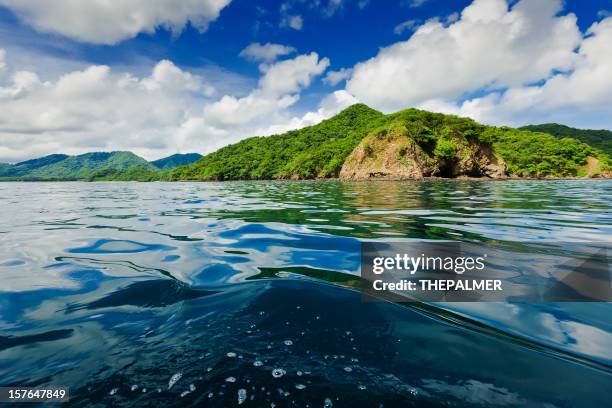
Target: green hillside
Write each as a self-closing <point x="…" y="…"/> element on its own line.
<point x="600" y="139"/>
<point x="24" y="168"/>
<point x="134" y="173"/>
<point x="311" y="152"/>
<point x="439" y="145"/>
<point x="357" y="143"/>
<point x="81" y="167"/>
<point x="176" y="160"/>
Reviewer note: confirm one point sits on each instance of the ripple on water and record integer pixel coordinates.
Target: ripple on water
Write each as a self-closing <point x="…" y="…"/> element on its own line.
<point x="115" y="246"/>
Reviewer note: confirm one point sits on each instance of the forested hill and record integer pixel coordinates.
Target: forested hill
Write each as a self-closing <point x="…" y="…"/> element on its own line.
<point x="311" y="152"/>
<point x="362" y="143"/>
<point x="176" y="160"/>
<point x="357" y="143"/>
<point x="81" y="167"/>
<point x="95" y="166"/>
<point x="600" y="139"/>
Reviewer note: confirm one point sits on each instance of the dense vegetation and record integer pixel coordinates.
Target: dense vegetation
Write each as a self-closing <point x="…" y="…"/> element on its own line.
<point x="81" y="167"/>
<point x="24" y="168"/>
<point x="176" y="160"/>
<point x="314" y="151"/>
<point x="600" y="139"/>
<point x="129" y="174"/>
<point x="319" y="151"/>
<point x="431" y="139"/>
<point x="540" y="154"/>
<point x="96" y="166"/>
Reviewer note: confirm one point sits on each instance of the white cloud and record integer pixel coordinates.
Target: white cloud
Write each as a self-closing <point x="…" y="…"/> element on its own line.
<point x="582" y="96"/>
<point x="265" y="52"/>
<point x="155" y="114"/>
<point x="489" y="47"/>
<point x="290" y="75"/>
<point x="296" y="22"/>
<point x="407" y="25"/>
<point x="278" y="89"/>
<point x="333" y="78"/>
<point x="109" y="22"/>
<point x="328" y="107"/>
<point x="171" y="79"/>
<point x="97" y="109"/>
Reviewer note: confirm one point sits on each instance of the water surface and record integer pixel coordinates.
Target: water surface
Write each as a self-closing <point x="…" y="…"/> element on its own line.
<point x="176" y="294"/>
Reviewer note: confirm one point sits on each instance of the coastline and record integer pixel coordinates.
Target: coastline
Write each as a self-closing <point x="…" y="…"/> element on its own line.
<point x="423" y="179"/>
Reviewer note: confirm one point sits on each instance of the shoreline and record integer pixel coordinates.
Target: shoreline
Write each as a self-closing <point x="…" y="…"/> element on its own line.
<point x="330" y="179"/>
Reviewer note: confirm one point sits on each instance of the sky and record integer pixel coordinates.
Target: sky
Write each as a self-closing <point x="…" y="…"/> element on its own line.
<point x="159" y="77"/>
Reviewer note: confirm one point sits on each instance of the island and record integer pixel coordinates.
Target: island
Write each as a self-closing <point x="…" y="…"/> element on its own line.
<point x="359" y="143"/>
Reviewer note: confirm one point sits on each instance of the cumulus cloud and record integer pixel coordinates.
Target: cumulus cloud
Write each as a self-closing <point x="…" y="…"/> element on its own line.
<point x="584" y="93"/>
<point x="290" y="75"/>
<point x="329" y="106"/>
<point x="278" y="88"/>
<point x="97" y="109"/>
<point x="156" y="114"/>
<point x="489" y="47"/>
<point x="265" y="52"/>
<point x="333" y="78"/>
<point x="109" y="22"/>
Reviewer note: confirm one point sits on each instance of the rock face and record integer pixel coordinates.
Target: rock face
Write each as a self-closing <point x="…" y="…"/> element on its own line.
<point x="395" y="156"/>
<point x="392" y="157"/>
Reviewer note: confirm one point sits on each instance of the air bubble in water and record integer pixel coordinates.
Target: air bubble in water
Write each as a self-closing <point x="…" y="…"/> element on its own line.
<point x="113" y="391"/>
<point x="258" y="363"/>
<point x="300" y="386"/>
<point x="231" y="354"/>
<point x="288" y="342"/>
<point x="134" y="387"/>
<point x="278" y="372"/>
<point x="327" y="403"/>
<point x="242" y="395"/>
<point x="230" y="379"/>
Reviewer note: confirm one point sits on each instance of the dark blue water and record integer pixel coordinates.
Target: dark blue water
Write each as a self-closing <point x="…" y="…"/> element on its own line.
<point x="226" y="294"/>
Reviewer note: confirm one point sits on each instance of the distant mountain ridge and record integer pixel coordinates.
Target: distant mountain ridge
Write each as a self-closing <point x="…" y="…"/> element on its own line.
<point x="176" y="160"/>
<point x="94" y="166"/>
<point x="600" y="139"/>
<point x="80" y="167"/>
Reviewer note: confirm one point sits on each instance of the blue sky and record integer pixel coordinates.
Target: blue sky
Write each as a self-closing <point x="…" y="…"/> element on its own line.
<point x="159" y="77"/>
